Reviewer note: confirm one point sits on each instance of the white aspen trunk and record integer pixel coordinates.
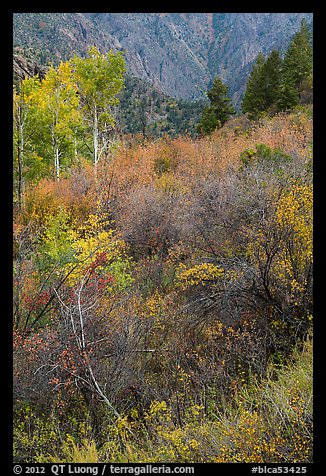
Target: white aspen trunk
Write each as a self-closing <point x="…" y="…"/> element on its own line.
<point x="81" y="320"/>
<point x="55" y="140"/>
<point x="95" y="136"/>
<point x="81" y="340"/>
<point x="57" y="163"/>
<point x="20" y="166"/>
<point x="75" y="145"/>
<point x="83" y="347"/>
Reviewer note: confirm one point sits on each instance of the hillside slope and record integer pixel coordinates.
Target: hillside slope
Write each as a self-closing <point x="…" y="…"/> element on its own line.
<point x="180" y="53"/>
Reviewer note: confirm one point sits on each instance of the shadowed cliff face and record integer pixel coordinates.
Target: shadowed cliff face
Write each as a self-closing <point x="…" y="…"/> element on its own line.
<point x="180" y="53"/>
<point x="24" y="67"/>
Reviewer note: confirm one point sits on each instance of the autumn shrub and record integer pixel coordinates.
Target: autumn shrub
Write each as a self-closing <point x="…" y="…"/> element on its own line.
<point x="269" y="422"/>
<point x="239" y="125"/>
<point x="163" y="164"/>
<point x="148" y="221"/>
<point x="264" y="154"/>
<point x="235" y="225"/>
<point x="40" y="202"/>
<point x="30" y="353"/>
<point x="158" y="299"/>
<point x="75" y="194"/>
<point x="36" y="433"/>
<point x="32" y="435"/>
<point x="64" y="252"/>
<point x="285" y="404"/>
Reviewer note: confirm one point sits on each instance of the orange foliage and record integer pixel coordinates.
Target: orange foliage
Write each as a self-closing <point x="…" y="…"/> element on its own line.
<point x="183" y="159"/>
<point x="215" y="154"/>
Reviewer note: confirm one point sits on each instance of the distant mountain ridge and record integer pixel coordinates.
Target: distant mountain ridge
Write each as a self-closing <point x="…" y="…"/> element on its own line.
<point x="179" y="53"/>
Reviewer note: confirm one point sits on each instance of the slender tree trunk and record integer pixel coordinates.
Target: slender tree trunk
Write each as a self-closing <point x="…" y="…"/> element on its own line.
<point x="75" y="146"/>
<point x="55" y="150"/>
<point x="20" y="154"/>
<point x="95" y="136"/>
<point x="17" y="293"/>
<point x="57" y="163"/>
<point x="55" y="143"/>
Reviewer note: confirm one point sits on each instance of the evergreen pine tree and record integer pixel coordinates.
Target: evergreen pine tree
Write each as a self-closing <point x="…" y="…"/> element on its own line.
<point x="253" y="100"/>
<point x="208" y="121"/>
<point x="272" y="81"/>
<point x="297" y="66"/>
<point x="219" y="110"/>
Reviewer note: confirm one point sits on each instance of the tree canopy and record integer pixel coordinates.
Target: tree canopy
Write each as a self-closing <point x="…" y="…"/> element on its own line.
<point x="277" y="84"/>
<point x="99" y="78"/>
<point x="67" y="115"/>
<point x="219" y="110"/>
